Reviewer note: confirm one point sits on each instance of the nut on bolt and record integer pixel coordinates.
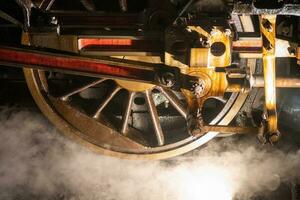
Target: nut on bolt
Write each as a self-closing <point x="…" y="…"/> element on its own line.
<point x="274" y="137"/>
<point x="264" y="135"/>
<point x="168" y="79"/>
<point x="199" y="88"/>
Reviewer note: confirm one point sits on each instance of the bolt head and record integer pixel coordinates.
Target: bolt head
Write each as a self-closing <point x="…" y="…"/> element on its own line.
<point x="199" y="88"/>
<point x="168" y="79"/>
<point x="228" y="32"/>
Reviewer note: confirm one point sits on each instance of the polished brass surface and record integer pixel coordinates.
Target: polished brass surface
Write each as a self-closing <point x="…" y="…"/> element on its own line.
<point x="199" y="57"/>
<point x="281" y="82"/>
<point x="267" y="27"/>
<point x="202" y="64"/>
<point x="132" y="85"/>
<point x="223" y="37"/>
<point x="215" y="85"/>
<point x="230" y="130"/>
<point x="199" y="30"/>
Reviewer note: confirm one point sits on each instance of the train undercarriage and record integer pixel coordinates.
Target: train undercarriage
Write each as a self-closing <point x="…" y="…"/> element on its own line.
<point x="154" y="79"/>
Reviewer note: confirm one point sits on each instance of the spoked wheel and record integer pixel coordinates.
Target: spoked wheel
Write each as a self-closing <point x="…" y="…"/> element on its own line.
<point x="147" y="123"/>
<point x="122" y="118"/>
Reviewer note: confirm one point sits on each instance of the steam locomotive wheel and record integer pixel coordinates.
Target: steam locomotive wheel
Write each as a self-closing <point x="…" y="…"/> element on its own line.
<point x="122" y="118"/>
<point x="114" y="130"/>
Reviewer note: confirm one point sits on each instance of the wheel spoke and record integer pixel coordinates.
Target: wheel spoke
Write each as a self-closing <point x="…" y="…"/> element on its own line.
<point x="107" y="100"/>
<point x="123" y="5"/>
<point x="155" y="119"/>
<point x="174" y="101"/>
<point x="221" y="99"/>
<point x="126" y="115"/>
<point x="46" y="4"/>
<point x="89" y="5"/>
<point x="80" y="89"/>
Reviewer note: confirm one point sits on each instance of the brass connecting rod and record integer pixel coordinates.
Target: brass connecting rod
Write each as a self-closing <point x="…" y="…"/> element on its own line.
<point x="267" y="28"/>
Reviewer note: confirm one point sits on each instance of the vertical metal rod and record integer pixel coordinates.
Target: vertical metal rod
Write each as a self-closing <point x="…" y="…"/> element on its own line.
<point x="126" y="115"/>
<point x="26" y="7"/>
<point x="267" y="27"/>
<point x="174" y="101"/>
<point x="80" y="89"/>
<point x="107" y="100"/>
<point x="154" y="116"/>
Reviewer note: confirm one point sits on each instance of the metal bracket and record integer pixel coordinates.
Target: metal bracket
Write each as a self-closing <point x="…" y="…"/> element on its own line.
<point x="267" y="27"/>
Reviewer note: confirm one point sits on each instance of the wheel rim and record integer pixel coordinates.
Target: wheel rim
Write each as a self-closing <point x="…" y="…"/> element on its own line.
<point x="57" y="110"/>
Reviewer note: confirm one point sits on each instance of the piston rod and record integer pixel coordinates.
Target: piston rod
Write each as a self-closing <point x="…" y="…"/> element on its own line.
<point x="281" y="82"/>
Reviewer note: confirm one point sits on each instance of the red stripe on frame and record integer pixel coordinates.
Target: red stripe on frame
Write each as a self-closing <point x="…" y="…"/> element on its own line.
<point x="30" y="58"/>
<point x="85" y="42"/>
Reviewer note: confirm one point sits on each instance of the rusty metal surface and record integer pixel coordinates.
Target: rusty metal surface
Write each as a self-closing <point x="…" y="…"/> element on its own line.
<point x="249" y="8"/>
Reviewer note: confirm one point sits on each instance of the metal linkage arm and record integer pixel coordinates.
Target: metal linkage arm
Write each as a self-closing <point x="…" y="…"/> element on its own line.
<point x="25" y="56"/>
<point x="267" y="27"/>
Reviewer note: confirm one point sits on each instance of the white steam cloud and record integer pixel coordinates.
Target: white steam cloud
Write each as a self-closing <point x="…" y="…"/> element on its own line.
<point x="38" y="163"/>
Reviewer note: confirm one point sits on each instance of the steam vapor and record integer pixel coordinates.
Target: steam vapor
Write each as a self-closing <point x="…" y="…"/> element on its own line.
<point x="38" y="163"/>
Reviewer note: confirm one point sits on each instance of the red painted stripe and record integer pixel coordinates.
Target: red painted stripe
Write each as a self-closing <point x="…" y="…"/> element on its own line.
<point x="67" y="63"/>
<point x="86" y="42"/>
